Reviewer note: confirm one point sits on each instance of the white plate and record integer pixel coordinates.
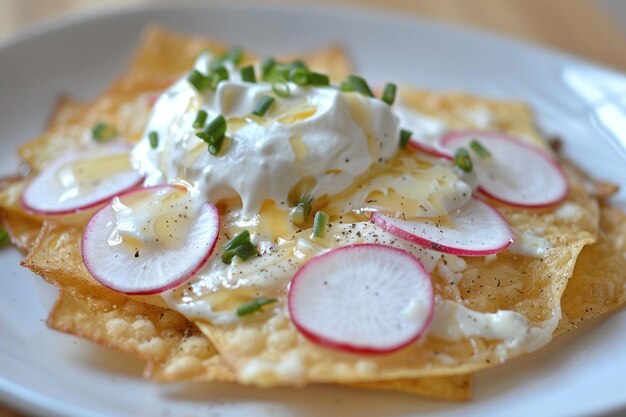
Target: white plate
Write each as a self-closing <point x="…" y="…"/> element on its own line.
<point x="47" y="373"/>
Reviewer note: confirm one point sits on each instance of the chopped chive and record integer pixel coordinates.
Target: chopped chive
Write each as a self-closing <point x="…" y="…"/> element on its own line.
<point x="319" y="224"/>
<point x="263" y="106"/>
<point x="213" y="134"/>
<point x="306" y="201"/>
<point x="200" y="119"/>
<point x="299" y="76"/>
<point x="215" y="145"/>
<point x="302" y="210"/>
<point x="4" y="237"/>
<point x="234" y="55"/>
<point x="266" y="67"/>
<point x="462" y="160"/>
<point x="360" y="85"/>
<point x="218" y="73"/>
<point x="389" y="93"/>
<point x="103" y="131"/>
<point x="281" y="88"/>
<point x="280" y="72"/>
<point x="405" y="136"/>
<point x="298" y="63"/>
<point x="154" y="139"/>
<point x="254" y="306"/>
<point x="215" y="129"/>
<point x="480" y="150"/>
<point x="247" y="74"/>
<point x="240" y="246"/>
<point x="297" y="215"/>
<point x="197" y="80"/>
<point x="346" y="87"/>
<point x="318" y="79"/>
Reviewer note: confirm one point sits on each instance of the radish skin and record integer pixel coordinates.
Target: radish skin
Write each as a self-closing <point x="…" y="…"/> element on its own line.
<point x="157" y="269"/>
<point x="478" y="230"/>
<point x="363" y="298"/>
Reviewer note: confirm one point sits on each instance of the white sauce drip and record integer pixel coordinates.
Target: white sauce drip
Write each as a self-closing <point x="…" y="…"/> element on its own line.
<point x="453" y="322"/>
<point x="528" y="244"/>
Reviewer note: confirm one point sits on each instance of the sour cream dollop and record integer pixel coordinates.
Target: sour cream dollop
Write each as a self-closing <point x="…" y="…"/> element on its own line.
<point x="318" y="134"/>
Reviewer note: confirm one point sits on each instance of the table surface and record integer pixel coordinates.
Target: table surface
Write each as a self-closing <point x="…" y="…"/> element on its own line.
<point x="593" y="29"/>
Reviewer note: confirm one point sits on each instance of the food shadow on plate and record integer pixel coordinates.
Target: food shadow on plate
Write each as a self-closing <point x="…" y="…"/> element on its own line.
<point x="100" y="359"/>
<point x="345" y="401"/>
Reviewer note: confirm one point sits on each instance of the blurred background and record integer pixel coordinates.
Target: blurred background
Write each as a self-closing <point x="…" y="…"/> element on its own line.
<point x="593" y="29"/>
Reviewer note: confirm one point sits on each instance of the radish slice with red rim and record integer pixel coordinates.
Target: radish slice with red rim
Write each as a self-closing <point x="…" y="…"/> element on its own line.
<point x="364" y="298"/>
<point x="81" y="180"/>
<point x="516" y="173"/>
<point x="131" y="247"/>
<point x="476" y="229"/>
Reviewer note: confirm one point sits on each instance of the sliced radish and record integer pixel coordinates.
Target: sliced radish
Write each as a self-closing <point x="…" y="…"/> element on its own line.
<point x="81" y="180"/>
<point x="516" y="173"/>
<point x="365" y="298"/>
<point x="429" y="149"/>
<point x="476" y="229"/>
<point x="146" y="265"/>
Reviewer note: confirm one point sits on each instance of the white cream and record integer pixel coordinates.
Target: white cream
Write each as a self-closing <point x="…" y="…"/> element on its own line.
<point x="272" y="271"/>
<point x="453" y="321"/>
<point x="344" y="136"/>
<point x="528" y="244"/>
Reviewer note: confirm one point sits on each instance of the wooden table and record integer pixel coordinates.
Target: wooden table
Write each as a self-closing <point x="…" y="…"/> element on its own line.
<point x="579" y="27"/>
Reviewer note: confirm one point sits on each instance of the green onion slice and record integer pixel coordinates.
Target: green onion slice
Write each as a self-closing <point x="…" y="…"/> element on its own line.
<point x="299" y="76"/>
<point x="254" y="306"/>
<point x="480" y="150"/>
<point x="266" y="67"/>
<point x="346" y="87"/>
<point x="103" y="131"/>
<point x="462" y="160"/>
<point x="218" y="73"/>
<point x="263" y="106"/>
<point x="215" y="145"/>
<point x="4" y="237"/>
<point x="389" y="93"/>
<point x="297" y="215"/>
<point x="247" y="74"/>
<point x="214" y="130"/>
<point x="279" y="72"/>
<point x="198" y="80"/>
<point x="281" y="88"/>
<point x="200" y="119"/>
<point x="359" y="85"/>
<point x="318" y="79"/>
<point x="153" y="137"/>
<point x="306" y="201"/>
<point x="319" y="224"/>
<point x="214" y="133"/>
<point x="240" y="246"/>
<point x="298" y="63"/>
<point x="405" y="136"/>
